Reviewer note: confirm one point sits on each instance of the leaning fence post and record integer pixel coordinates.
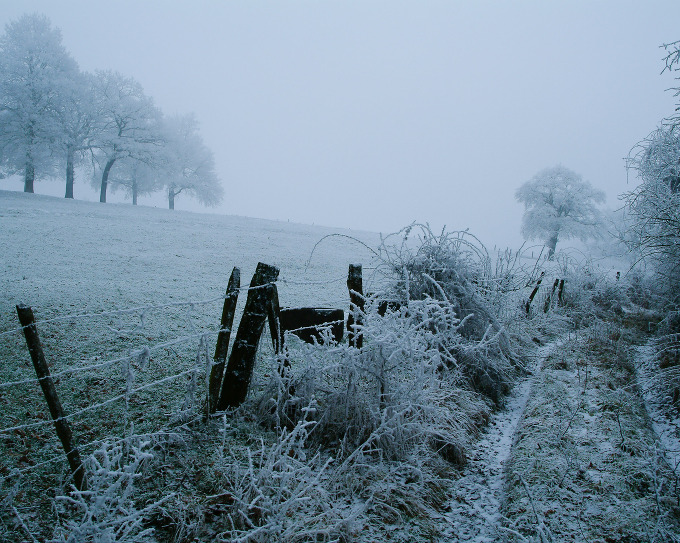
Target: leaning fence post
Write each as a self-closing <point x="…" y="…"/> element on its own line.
<point x="222" y="347"/>
<point x="527" y="307"/>
<point x="548" y="300"/>
<point x="276" y="332"/>
<point x="273" y="312"/>
<point x="62" y="426"/>
<point x="560" y="293"/>
<point x="242" y="358"/>
<point x="356" y="306"/>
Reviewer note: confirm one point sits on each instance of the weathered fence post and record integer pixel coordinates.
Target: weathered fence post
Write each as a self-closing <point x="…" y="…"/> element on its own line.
<point x="242" y="358"/>
<point x="356" y="306"/>
<point x="548" y="300"/>
<point x="62" y="426"/>
<point x="527" y="307"/>
<point x="273" y="312"/>
<point x="222" y="347"/>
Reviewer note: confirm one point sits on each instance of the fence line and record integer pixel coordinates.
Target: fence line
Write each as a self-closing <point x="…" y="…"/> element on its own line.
<point x="101" y="404"/>
<point x="142" y="312"/>
<point x="107" y="363"/>
<point x="120" y="312"/>
<point x="84" y="446"/>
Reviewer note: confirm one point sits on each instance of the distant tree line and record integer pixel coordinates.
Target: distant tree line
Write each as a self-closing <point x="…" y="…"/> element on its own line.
<point x="55" y="118"/>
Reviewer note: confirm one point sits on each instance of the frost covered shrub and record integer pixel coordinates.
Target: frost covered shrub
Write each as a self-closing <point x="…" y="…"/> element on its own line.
<point x="282" y="492"/>
<point x="107" y="512"/>
<point x="666" y="348"/>
<point x="590" y="293"/>
<point x="408" y="389"/>
<point x="405" y="383"/>
<point x="372" y="427"/>
<point x="366" y="434"/>
<point x="654" y="208"/>
<point x="455" y="269"/>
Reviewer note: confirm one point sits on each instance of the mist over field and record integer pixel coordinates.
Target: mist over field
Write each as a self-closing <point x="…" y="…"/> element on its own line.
<point x="339" y="272"/>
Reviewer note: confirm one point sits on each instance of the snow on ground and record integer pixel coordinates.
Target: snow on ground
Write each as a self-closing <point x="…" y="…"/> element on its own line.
<point x="127" y="255"/>
<point x="67" y="257"/>
<point x="665" y="419"/>
<point x="83" y="265"/>
<point x="474" y="513"/>
<point x="569" y="458"/>
<point x="585" y="463"/>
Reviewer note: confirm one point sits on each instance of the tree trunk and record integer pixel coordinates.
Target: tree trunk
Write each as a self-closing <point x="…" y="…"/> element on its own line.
<point x="552" y="243"/>
<point x="29" y="177"/>
<point x="171" y="199"/>
<point x="105" y="180"/>
<point x="134" y="193"/>
<point x="69" y="173"/>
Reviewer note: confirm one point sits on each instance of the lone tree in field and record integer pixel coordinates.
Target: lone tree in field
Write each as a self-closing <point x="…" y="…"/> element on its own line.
<point x="559" y="204"/>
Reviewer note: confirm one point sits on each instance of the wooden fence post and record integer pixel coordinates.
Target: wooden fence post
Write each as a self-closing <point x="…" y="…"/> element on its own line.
<point x="527" y="306"/>
<point x="273" y="311"/>
<point x="222" y="347"/>
<point x="242" y="358"/>
<point x="62" y="426"/>
<point x="548" y="300"/>
<point x="356" y="306"/>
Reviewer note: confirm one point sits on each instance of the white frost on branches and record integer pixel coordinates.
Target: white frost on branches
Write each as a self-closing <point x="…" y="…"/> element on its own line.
<point x="560" y="204"/>
<point x="107" y="512"/>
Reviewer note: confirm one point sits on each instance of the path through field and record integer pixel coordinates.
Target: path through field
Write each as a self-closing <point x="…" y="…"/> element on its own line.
<point x="572" y="457"/>
<point x="475" y="509"/>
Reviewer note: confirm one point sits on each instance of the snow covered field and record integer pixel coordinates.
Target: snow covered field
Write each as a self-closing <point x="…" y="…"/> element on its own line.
<point x="571" y="455"/>
<point x="104" y="280"/>
<point x="57" y="252"/>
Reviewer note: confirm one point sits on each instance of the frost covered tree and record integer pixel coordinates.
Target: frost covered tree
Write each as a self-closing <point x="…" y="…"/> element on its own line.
<point x="559" y="204"/>
<point x="36" y="74"/>
<point x="79" y="124"/>
<point x="128" y="125"/>
<point x="654" y="206"/>
<point x="190" y="165"/>
<point x="135" y="178"/>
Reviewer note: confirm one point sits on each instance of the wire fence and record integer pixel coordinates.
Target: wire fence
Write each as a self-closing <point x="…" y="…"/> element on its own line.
<point x="139" y="370"/>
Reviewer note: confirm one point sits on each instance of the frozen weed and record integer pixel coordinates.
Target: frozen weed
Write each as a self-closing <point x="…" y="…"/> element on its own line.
<point x="283" y="492"/>
<point x="107" y="512"/>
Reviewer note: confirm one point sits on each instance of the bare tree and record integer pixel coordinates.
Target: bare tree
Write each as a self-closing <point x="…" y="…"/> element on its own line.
<point x="560" y="204"/>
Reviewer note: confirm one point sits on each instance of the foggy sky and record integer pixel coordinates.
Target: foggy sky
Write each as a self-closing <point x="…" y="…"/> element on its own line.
<point x="373" y="114"/>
